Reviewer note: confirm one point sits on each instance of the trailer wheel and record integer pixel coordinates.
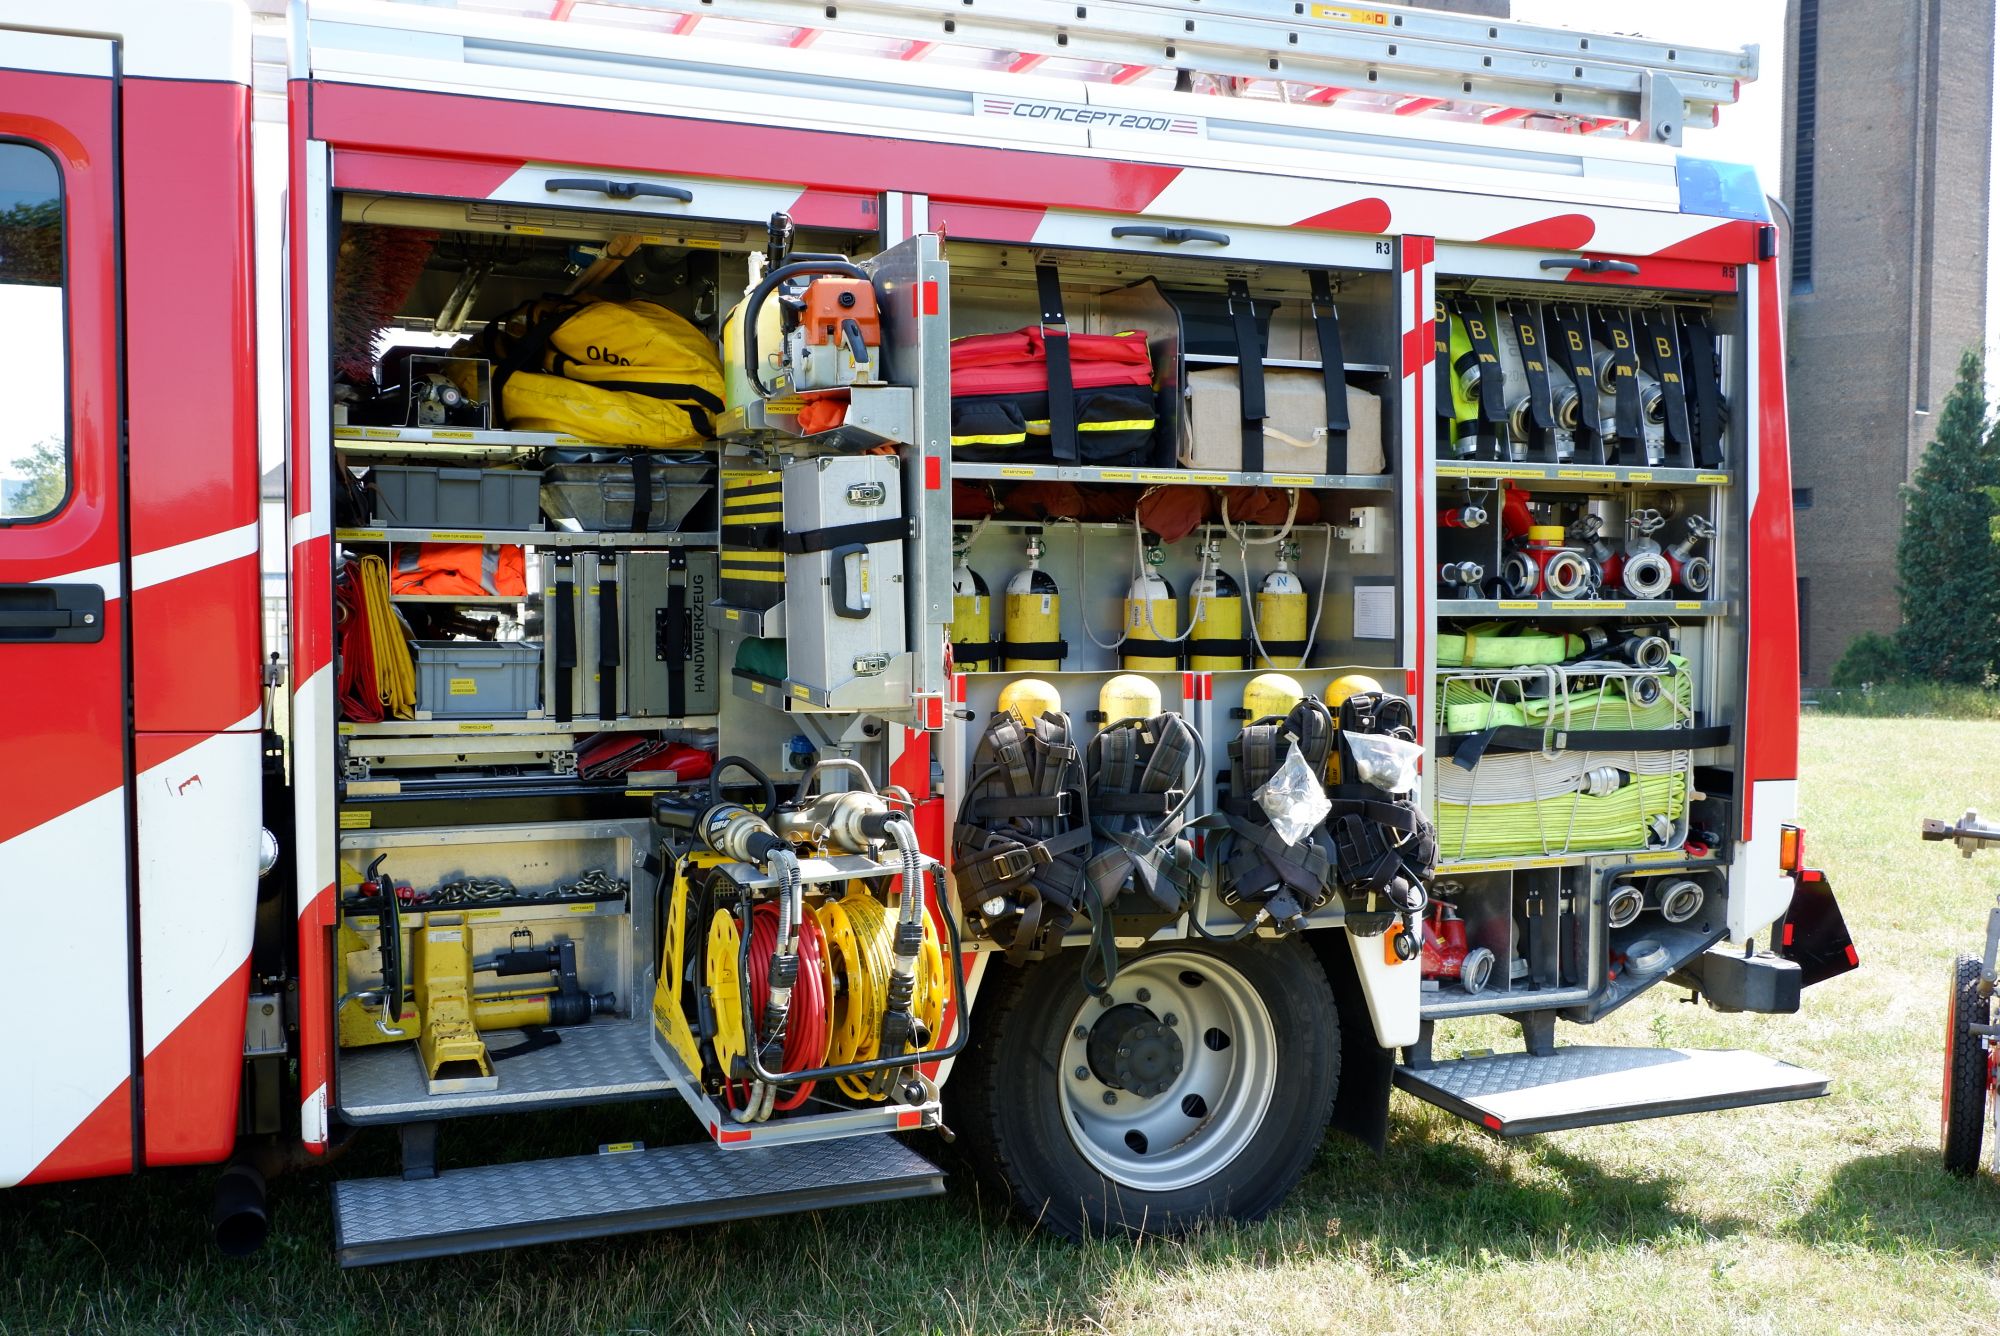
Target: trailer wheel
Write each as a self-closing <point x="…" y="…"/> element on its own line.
<point x="1200" y="1086"/>
<point x="1967" y="1073"/>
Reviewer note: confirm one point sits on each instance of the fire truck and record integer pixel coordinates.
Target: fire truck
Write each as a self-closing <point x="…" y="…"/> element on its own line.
<point x="1088" y="578"/>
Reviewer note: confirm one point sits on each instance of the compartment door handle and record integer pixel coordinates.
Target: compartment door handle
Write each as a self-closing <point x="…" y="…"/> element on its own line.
<point x="619" y="189"/>
<point x="1173" y="236"/>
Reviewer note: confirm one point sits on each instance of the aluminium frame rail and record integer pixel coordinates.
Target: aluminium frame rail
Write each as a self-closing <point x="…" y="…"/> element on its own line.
<point x="1426" y="56"/>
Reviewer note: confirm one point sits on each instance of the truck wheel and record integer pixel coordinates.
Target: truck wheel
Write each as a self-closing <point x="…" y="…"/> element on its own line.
<point x="1966" y="1071"/>
<point x="1200" y="1086"/>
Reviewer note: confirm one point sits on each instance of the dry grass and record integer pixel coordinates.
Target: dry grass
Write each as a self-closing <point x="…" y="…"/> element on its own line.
<point x="1828" y="1216"/>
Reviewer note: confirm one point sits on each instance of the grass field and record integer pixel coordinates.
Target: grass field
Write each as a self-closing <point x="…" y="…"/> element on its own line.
<point x="1825" y="1216"/>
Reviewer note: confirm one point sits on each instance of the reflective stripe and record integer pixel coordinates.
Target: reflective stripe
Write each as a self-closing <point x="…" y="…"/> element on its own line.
<point x="1136" y="424"/>
<point x="1014" y="439"/>
<point x="758" y="517"/>
<point x="761" y="577"/>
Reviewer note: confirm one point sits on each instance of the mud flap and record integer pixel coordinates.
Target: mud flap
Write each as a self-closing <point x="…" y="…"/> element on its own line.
<point x="1813" y="934"/>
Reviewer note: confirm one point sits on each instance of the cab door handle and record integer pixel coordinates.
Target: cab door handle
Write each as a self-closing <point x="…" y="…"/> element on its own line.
<point x="42" y="614"/>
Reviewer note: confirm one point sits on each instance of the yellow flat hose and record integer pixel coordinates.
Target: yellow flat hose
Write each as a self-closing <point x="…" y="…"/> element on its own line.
<point x="860" y="939"/>
<point x="395" y="675"/>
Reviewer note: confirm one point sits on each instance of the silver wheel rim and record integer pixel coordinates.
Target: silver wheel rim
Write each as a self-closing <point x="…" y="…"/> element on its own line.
<point x="1213" y="1106"/>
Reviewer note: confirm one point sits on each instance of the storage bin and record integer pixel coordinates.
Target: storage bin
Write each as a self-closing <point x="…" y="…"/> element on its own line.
<point x="600" y="497"/>
<point x="409" y="496"/>
<point x="1295" y="408"/>
<point x="476" y="679"/>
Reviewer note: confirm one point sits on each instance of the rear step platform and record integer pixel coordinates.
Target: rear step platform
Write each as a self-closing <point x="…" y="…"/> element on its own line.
<point x="621" y="1192"/>
<point x="1519" y="1094"/>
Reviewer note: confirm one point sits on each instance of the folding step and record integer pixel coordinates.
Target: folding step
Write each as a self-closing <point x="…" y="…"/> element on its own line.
<point x="1519" y="1094"/>
<point x="615" y="1192"/>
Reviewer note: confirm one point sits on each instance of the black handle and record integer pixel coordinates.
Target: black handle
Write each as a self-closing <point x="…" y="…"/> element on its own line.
<point x="1173" y="236"/>
<point x="1589" y="266"/>
<point x="749" y="768"/>
<point x="842" y="605"/>
<point x="755" y="303"/>
<point x="618" y="189"/>
<point x="45" y="614"/>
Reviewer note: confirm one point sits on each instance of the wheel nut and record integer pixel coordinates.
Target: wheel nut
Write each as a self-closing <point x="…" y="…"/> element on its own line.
<point x="1079" y="1033"/>
<point x="1105" y="1001"/>
<point x="1145" y="995"/>
<point x="1110" y="1097"/>
<point x="1083" y="1073"/>
<point x="1172" y="1019"/>
<point x="1177" y="1069"/>
<point x="1124" y="1052"/>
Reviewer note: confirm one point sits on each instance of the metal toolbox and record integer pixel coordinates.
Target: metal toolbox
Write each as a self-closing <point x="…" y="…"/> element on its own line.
<point x="602" y="496"/>
<point x="844" y="592"/>
<point x="476" y="679"/>
<point x="582" y="646"/>
<point x="672" y="655"/>
<point x="410" y="496"/>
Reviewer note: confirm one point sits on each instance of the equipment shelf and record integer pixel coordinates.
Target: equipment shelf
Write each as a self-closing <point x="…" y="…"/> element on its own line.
<point x="424" y="728"/>
<point x="1354" y="482"/>
<point x="482" y="600"/>
<point x="527" y="538"/>
<point x="1585" y="475"/>
<point x="1582" y="607"/>
<point x="449" y="441"/>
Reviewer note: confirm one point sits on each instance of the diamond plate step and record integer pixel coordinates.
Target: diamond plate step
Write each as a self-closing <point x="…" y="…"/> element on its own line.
<point x="603" y="1062"/>
<point x="1517" y="1094"/>
<point x="589" y="1196"/>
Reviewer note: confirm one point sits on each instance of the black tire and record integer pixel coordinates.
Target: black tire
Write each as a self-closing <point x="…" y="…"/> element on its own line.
<point x="1007" y="1099"/>
<point x="1963" y="1123"/>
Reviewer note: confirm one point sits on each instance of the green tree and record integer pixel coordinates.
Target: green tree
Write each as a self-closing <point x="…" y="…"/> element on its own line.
<point x="1947" y="564"/>
<point x="46" y="468"/>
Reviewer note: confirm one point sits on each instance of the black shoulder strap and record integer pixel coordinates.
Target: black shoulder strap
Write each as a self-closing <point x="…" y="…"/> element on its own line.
<point x="1702" y="374"/>
<point x="1572" y="337"/>
<point x="1332" y="368"/>
<point x="642" y="491"/>
<point x="565" y="635"/>
<point x="1062" y="385"/>
<point x="1249" y="373"/>
<point x="1614" y="331"/>
<point x="1530" y="339"/>
<point x="609" y="642"/>
<point x="675" y="633"/>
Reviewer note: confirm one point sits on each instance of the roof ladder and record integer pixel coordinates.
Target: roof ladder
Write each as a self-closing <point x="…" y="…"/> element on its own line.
<point x="1422" y="55"/>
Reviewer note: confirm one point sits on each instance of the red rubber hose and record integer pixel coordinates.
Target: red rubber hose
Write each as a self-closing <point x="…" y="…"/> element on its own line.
<point x="806" y="1028"/>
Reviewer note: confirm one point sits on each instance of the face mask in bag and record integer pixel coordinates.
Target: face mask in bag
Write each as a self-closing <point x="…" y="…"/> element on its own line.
<point x="1294" y="798"/>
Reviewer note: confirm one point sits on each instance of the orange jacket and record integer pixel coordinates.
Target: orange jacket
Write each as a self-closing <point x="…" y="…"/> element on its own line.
<point x="460" y="569"/>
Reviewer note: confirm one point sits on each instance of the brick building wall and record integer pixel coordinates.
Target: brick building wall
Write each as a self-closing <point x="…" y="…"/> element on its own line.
<point x="1887" y="135"/>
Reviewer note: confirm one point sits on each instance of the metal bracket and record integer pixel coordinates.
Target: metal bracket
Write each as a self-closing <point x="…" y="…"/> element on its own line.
<point x="1661" y="104"/>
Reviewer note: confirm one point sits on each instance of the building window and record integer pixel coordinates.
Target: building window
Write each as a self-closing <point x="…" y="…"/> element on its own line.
<point x="1805" y="130"/>
<point x="34" y="430"/>
<point x="1802" y="498"/>
<point x="1805" y="637"/>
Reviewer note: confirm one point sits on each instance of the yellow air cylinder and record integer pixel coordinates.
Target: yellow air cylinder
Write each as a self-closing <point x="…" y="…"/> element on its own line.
<point x="1282" y="614"/>
<point x="1128" y="696"/>
<point x="1216" y="605"/>
<point x="1033" y="612"/>
<point x="1151" y="615"/>
<point x="1028" y="699"/>
<point x="1269" y="694"/>
<point x="971" y="617"/>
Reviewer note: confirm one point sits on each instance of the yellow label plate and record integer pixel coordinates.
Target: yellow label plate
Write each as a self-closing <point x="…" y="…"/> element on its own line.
<point x="1713" y="479"/>
<point x="1518" y="605"/>
<point x="1688" y="605"/>
<point x="449" y="434"/>
<point x="1597" y="604"/>
<point x="802" y="693"/>
<point x="1216" y="478"/>
<point x="1156" y="476"/>
<point x="1373" y="18"/>
<point x="357" y="820"/>
<point x="590" y="908"/>
<point x="484" y="913"/>
<point x="1639" y="475"/>
<point x="442" y="536"/>
<point x="1593" y="475"/>
<point x="1115" y="475"/>
<point x="1010" y="471"/>
<point x="464" y="686"/>
<point x="363" y="535"/>
<point x="1293" y="479"/>
<point x="475" y="728"/>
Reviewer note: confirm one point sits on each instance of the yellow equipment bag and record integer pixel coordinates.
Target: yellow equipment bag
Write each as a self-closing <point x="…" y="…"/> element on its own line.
<point x="617" y="373"/>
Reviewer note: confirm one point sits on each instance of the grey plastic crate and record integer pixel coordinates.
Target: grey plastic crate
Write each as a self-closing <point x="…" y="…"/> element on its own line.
<point x="410" y="496"/>
<point x="599" y="497"/>
<point x="474" y="679"/>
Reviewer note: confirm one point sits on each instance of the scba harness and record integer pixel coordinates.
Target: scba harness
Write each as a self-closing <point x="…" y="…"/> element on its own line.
<point x="1370" y="843"/>
<point x="1023" y="834"/>
<point x="1048" y="832"/>
<point x="1256" y="872"/>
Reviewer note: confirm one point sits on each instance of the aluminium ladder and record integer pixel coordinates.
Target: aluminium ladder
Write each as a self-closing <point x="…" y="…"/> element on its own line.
<point x="1418" y="59"/>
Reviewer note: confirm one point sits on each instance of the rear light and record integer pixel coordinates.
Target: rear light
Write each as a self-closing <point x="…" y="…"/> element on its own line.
<point x="1791" y="848"/>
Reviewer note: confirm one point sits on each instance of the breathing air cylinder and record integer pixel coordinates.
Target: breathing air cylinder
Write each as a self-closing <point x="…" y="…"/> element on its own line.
<point x="1150" y="615"/>
<point x="1128" y="696"/>
<point x="1216" y="605"/>
<point x="1033" y="615"/>
<point x="1269" y="694"/>
<point x="1028" y="699"/>
<point x="971" y="619"/>
<point x="1282" y="613"/>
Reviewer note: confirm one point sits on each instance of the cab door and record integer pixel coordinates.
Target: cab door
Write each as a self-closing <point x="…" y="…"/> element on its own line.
<point x="65" y="742"/>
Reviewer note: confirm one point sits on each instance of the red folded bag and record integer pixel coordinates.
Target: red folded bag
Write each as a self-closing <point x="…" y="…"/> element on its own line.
<point x="1018" y="362"/>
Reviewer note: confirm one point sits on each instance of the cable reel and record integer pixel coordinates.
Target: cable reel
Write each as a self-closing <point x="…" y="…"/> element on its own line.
<point x="860" y="957"/>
